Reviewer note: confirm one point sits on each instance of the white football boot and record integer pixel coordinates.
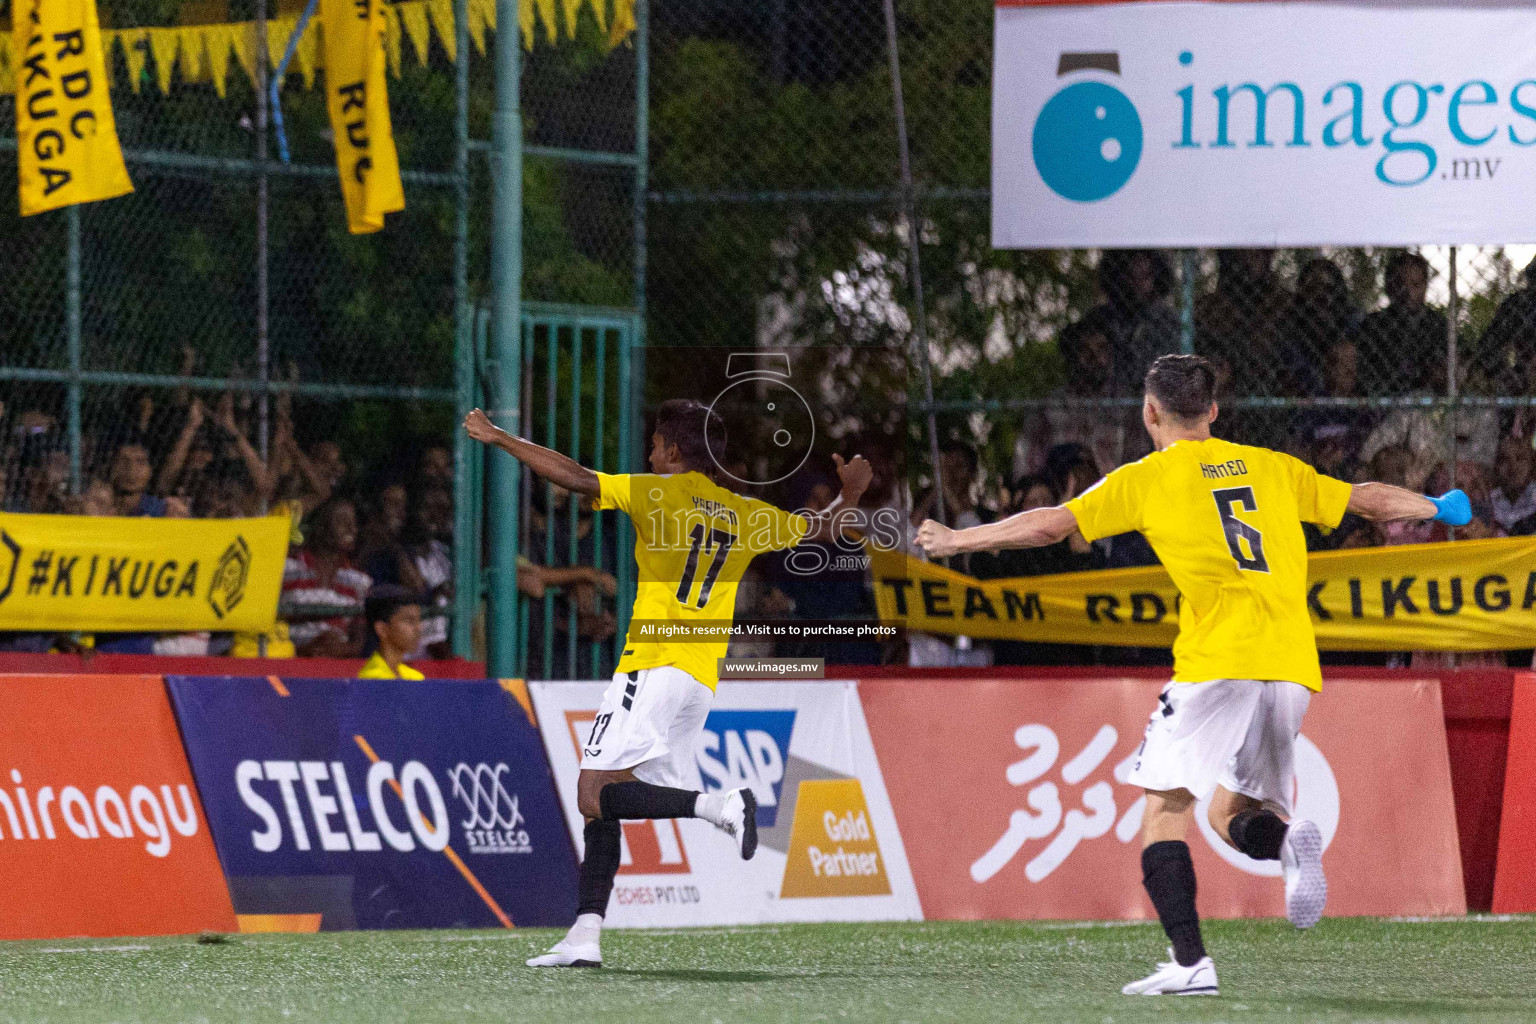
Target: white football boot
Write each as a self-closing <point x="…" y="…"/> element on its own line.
<point x="566" y="953"/>
<point x="738" y="819"/>
<point x="1306" y="888"/>
<point x="1173" y="980"/>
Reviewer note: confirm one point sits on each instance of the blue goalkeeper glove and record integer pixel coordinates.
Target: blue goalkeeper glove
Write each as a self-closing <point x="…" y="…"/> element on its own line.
<point x="1453" y="508"/>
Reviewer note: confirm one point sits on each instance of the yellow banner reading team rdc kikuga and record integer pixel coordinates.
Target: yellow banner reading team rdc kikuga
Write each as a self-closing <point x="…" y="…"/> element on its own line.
<point x="67" y="573"/>
<point x="66" y="140"/>
<point x="1462" y="596"/>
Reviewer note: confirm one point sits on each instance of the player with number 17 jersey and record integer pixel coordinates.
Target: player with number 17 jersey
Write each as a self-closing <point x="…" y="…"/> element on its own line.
<point x="694" y="540"/>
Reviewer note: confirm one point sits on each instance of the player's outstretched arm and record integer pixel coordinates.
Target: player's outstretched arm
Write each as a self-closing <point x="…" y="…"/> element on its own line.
<point x="1036" y="528"/>
<point x="551" y="465"/>
<point x="1385" y="503"/>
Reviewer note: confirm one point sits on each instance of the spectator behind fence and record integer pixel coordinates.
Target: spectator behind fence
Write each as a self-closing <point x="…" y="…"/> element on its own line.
<point x="1404" y="344"/>
<point x="1104" y="430"/>
<point x="1331" y="436"/>
<point x="1135" y="314"/>
<point x="421" y="561"/>
<point x="1513" y="498"/>
<point x="394" y="630"/>
<point x="1319" y="318"/>
<point x="1424" y="430"/>
<point x="958" y="469"/>
<point x="1071" y="555"/>
<point x="1238" y="323"/>
<point x="1506" y="360"/>
<point x="321" y="575"/>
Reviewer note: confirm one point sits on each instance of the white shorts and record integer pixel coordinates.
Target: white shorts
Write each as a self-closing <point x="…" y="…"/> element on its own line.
<point x="1239" y="734"/>
<point x="650" y="721"/>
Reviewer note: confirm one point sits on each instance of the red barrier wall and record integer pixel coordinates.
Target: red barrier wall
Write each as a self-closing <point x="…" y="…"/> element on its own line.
<point x="1051" y="830"/>
<point x="292" y="668"/>
<point x="1477" y="709"/>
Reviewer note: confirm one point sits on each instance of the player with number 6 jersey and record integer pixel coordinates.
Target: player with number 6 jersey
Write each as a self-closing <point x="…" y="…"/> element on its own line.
<point x="693" y="542"/>
<point x="1226" y="521"/>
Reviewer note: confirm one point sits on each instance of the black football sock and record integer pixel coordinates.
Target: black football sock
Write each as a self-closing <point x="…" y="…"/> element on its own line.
<point x="1169" y="876"/>
<point x="633" y="800"/>
<point x="594" y="881"/>
<point x="1258" y="834"/>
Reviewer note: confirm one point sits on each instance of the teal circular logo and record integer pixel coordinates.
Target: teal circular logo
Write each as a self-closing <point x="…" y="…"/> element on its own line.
<point x="1087" y="141"/>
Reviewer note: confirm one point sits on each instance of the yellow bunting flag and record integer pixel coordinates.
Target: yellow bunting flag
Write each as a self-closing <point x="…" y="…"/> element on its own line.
<point x="66" y="139"/>
<point x="359" y="106"/>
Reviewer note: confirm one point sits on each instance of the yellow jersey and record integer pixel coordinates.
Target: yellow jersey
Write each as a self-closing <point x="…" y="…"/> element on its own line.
<point x="693" y="541"/>
<point x="377" y="668"/>
<point x="1226" y="521"/>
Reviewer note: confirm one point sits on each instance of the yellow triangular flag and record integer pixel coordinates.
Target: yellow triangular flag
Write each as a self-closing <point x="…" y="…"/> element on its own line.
<point x="392" y="39"/>
<point x="279" y="31"/>
<point x="623" y="22"/>
<point x="163" y="43"/>
<point x="194" y="62"/>
<point x="572" y="9"/>
<point x="442" y="21"/>
<point x="482" y="15"/>
<point x="135" y="48"/>
<point x="308" y="54"/>
<point x="413" y="18"/>
<point x="600" y="12"/>
<point x="242" y="37"/>
<point x="525" y="22"/>
<point x="548" y="17"/>
<point x="217" y="41"/>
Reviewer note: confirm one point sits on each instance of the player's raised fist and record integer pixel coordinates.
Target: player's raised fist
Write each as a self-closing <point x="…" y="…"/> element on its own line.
<point x="855" y="474"/>
<point x="936" y="539"/>
<point x="479" y="426"/>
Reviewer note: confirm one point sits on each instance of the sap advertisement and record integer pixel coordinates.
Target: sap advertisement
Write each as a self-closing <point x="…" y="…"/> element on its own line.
<point x="1194" y="124"/>
<point x="340" y="804"/>
<point x="829" y="849"/>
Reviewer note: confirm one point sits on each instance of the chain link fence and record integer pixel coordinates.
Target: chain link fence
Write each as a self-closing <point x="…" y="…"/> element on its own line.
<point x="777" y="198"/>
<point x="766" y="206"/>
<point x="216" y="342"/>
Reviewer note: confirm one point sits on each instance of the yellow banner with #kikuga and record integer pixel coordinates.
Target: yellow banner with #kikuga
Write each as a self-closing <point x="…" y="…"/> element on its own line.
<point x="356" y="95"/>
<point x="1477" y="595"/>
<point x="86" y="573"/>
<point x="66" y="140"/>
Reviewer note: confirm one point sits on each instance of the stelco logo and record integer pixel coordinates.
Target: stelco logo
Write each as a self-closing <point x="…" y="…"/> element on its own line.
<point x="368" y="822"/>
<point x="1088" y="137"/>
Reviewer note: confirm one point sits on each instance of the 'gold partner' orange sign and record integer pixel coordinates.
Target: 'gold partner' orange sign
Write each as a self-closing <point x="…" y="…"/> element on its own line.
<point x="833" y="850"/>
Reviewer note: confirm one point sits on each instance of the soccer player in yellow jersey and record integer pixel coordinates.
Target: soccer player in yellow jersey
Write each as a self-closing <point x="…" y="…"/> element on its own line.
<point x="693" y="541"/>
<point x="1225" y="519"/>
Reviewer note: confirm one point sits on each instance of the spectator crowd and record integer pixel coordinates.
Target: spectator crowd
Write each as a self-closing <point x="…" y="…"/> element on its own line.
<point x="1357" y="395"/>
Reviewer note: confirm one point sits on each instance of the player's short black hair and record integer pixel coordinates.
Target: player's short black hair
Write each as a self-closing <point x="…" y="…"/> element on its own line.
<point x="1183" y="385"/>
<point x="383" y="600"/>
<point x="694" y="428"/>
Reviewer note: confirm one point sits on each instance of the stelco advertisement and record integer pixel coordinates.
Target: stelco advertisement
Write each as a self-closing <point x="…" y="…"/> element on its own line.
<point x="1194" y="124"/>
<point x="386" y="803"/>
<point x="829" y="849"/>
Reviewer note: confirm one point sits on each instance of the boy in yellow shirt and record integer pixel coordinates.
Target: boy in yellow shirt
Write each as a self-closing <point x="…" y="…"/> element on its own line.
<point x="394" y="621"/>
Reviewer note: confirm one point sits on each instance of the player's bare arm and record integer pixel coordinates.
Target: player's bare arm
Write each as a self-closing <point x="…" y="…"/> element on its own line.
<point x="854" y="475"/>
<point x="1038" y="527"/>
<point x="1385" y="503"/>
<point x="551" y="465"/>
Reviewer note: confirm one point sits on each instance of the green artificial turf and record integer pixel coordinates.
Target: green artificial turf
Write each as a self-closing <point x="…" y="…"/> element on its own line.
<point x="1344" y="970"/>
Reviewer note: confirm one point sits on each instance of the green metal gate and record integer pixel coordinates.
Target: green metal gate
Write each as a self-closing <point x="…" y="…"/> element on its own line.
<point x="575" y="392"/>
